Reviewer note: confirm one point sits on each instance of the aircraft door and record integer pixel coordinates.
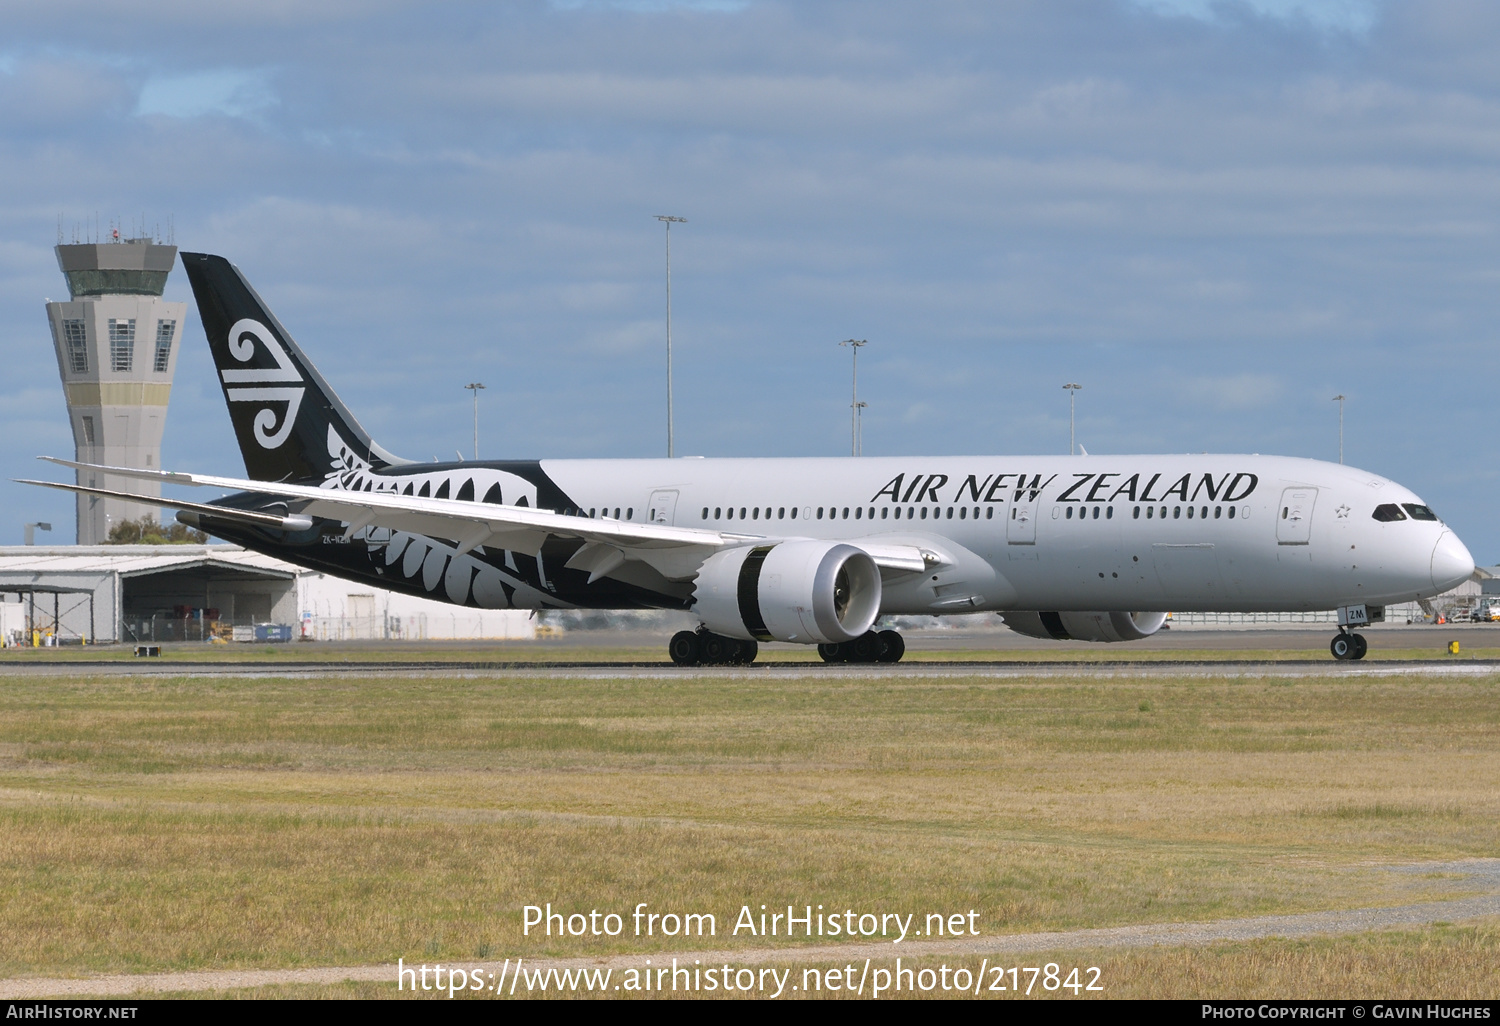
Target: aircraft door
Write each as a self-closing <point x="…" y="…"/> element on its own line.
<point x="1020" y="527"/>
<point x="1294" y="516"/>
<point x="662" y="508"/>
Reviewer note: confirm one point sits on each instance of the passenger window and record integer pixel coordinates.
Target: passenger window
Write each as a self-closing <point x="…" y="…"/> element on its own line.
<point x="630" y="513"/>
<point x="963" y="513"/>
<point x="1190" y="512"/>
<point x="1149" y="511"/>
<point x="885" y="511"/>
<point x="1163" y="514"/>
<point x="858" y="512"/>
<point x="742" y="512"/>
<point x="910" y="512"/>
<point x="755" y="513"/>
<point x="781" y="513"/>
<point x="1176" y="512"/>
<point x="718" y="512"/>
<point x="1231" y="512"/>
<point x="794" y="512"/>
<point x="1109" y="513"/>
<point x="1283" y="512"/>
<point x="1070" y="513"/>
<point x="950" y="512"/>
<point x="820" y="512"/>
<point x="1218" y="511"/>
<point x="1419" y="512"/>
<point x="872" y="512"/>
<point x="989" y="514"/>
<point x="924" y="512"/>
<point x="1135" y="513"/>
<point x="1096" y="512"/>
<point x="705" y="512"/>
<point x="617" y="512"/>
<point x="1203" y="513"/>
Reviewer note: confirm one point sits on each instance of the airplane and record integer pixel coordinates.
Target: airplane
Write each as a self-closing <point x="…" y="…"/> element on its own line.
<point x="810" y="551"/>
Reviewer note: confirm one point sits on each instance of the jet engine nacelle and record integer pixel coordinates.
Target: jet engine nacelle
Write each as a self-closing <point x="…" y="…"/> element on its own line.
<point x="805" y="591"/>
<point x="1105" y="626"/>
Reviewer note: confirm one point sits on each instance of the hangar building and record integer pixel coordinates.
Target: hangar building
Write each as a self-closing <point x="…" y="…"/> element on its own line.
<point x="130" y="593"/>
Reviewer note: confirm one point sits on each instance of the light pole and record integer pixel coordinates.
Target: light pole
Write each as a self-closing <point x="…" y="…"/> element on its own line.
<point x="1340" y="400"/>
<point x="854" y="345"/>
<point x="669" y="221"/>
<point x="859" y="433"/>
<point x="1072" y="397"/>
<point x="474" y="387"/>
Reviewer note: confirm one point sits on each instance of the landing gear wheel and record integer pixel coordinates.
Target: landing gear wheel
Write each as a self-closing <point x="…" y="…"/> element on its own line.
<point x="718" y="649"/>
<point x="1360" y="646"/>
<point x="865" y="648"/>
<point x="892" y="647"/>
<point x="1342" y="646"/>
<point x="748" y="651"/>
<point x="684" y="649"/>
<point x="832" y="653"/>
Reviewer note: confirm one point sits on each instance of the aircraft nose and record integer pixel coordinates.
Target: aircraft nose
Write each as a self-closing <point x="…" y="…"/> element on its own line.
<point x="1451" y="562"/>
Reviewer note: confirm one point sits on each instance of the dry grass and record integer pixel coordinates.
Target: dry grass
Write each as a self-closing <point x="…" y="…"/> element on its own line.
<point x="1441" y="962"/>
<point x="154" y="823"/>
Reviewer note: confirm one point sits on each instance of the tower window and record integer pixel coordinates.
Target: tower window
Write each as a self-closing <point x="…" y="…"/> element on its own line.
<point x="75" y="341"/>
<point x="165" y="332"/>
<point x="88" y="430"/>
<point x="121" y="344"/>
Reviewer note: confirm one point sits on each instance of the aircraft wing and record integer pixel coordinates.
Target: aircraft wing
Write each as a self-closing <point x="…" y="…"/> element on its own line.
<point x="675" y="552"/>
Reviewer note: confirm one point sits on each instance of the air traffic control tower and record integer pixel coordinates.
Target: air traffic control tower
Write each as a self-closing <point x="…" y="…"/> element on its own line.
<point x="116" y="342"/>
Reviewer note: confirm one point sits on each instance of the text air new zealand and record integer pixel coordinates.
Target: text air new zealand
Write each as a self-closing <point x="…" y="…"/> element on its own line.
<point x="809" y="551"/>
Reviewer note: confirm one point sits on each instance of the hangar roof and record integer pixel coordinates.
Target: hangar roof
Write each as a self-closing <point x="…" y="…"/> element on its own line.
<point x="137" y="560"/>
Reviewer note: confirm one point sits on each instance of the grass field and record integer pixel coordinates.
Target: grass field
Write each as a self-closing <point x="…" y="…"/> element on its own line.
<point x="159" y="823"/>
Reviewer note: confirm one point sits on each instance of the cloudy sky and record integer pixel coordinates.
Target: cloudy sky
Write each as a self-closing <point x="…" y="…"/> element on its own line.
<point x="1213" y="215"/>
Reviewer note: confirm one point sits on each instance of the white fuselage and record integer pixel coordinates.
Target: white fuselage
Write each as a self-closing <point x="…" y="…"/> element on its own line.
<point x="1209" y="532"/>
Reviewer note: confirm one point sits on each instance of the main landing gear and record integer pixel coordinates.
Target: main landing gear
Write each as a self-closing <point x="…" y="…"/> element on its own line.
<point x="869" y="647"/>
<point x="1348" y="646"/>
<point x="705" y="648"/>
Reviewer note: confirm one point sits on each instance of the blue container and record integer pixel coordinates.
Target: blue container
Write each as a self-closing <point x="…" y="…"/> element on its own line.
<point x="274" y="632"/>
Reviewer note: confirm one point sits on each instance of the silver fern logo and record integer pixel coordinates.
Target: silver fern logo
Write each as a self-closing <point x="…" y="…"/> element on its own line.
<point x="266" y="385"/>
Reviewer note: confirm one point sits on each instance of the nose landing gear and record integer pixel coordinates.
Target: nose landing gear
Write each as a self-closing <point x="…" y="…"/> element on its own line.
<point x="1348" y="646"/>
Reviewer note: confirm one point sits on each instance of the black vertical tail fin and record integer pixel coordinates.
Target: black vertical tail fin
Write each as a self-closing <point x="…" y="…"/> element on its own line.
<point x="290" y="424"/>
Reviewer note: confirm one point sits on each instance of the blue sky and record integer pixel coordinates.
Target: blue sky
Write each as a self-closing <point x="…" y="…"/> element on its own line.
<point x="1213" y="215"/>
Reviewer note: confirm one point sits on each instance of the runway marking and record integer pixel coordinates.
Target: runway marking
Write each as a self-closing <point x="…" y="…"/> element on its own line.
<point x="1485" y="872"/>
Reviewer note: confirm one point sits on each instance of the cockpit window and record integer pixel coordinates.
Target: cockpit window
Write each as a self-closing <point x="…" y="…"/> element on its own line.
<point x="1419" y="512"/>
<point x="1387" y="512"/>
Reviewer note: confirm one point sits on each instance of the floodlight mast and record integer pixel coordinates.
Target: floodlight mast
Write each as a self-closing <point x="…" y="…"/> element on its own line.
<point x="1340" y="400"/>
<point x="669" y="221"/>
<point x="1072" y="388"/>
<point x="854" y="345"/>
<point x="474" y="387"/>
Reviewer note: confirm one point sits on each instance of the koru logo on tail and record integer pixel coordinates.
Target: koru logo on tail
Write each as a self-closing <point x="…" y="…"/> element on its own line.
<point x="279" y="384"/>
